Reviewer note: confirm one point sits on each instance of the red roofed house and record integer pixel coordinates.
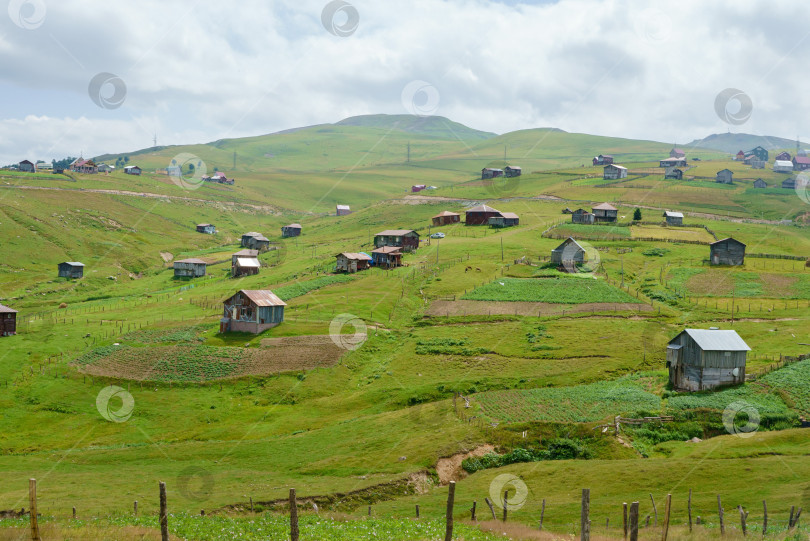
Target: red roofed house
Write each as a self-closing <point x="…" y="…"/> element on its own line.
<point x="8" y="321"/>
<point x="740" y="156"/>
<point x="800" y="163"/>
<point x="252" y="311"/>
<point x="677" y="153"/>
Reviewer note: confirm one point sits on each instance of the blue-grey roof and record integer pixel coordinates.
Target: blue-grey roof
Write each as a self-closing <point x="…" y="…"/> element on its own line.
<point x="717" y="340"/>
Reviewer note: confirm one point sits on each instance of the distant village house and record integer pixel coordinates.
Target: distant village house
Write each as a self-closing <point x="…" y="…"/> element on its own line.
<point x="603" y="159"/>
<point x="506" y="219"/>
<point x="245" y="263"/>
<point x="725" y="176"/>
<point x="512" y="171"/>
<point x="782" y="166"/>
<point x="569" y="254"/>
<point x="677" y="153"/>
<point x="801" y="163"/>
<point x="406" y="239"/>
<point x="71" y="269"/>
<point x="387" y="257"/>
<point x="480" y="215"/>
<point x="614" y="172"/>
<point x="342" y="210"/>
<point x="702" y="359"/>
<point x="673" y="218"/>
<point x="8" y="321"/>
<point x="208" y="229"/>
<point x="789" y="183"/>
<point x="351" y="262"/>
<point x="672" y="162"/>
<point x="252" y="311"/>
<point x="582" y="216"/>
<point x="87" y="167"/>
<point x="132" y="170"/>
<point x="605" y="212"/>
<point x="759" y="183"/>
<point x="446" y="218"/>
<point x="255" y="241"/>
<point x="488" y="172"/>
<point x="727" y="252"/>
<point x="674" y="174"/>
<point x="27" y="166"/>
<point x="291" y="230"/>
<point x="189" y="268"/>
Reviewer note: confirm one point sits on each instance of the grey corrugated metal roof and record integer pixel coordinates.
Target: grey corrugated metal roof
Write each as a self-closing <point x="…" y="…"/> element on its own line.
<point x="7" y="310"/>
<point x="395" y="232"/>
<point x="355" y="255"/>
<point x="483" y="208"/>
<point x="263" y="297"/>
<point x="191" y="260"/>
<point x="247" y="252"/>
<point x="249" y="262"/>
<point x="295" y="226"/>
<point x="717" y="340"/>
<point x="671" y="214"/>
<point x="261" y="238"/>
<point x="73" y="263"/>
<point x="726" y="239"/>
<point x="387" y="250"/>
<point x="446" y="213"/>
<point x="251" y="234"/>
<point x="566" y="242"/>
<point x="604" y="206"/>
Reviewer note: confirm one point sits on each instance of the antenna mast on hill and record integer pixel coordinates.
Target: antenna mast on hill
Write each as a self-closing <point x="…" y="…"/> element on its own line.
<point x="154" y="140"/>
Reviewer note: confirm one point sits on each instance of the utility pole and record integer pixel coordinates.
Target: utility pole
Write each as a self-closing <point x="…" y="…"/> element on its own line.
<point x="501" y="247"/>
<point x="622" y="260"/>
<point x="438" y="241"/>
<point x="234" y="160"/>
<point x="408" y="160"/>
<point x="154" y="140"/>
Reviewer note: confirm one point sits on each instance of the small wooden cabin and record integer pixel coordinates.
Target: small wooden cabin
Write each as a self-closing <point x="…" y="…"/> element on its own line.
<point x="674" y="174"/>
<point x="480" y="215"/>
<point x="727" y="252"/>
<point x="351" y="262"/>
<point x="406" y="239"/>
<point x="701" y="359"/>
<point x="725" y="176"/>
<point x="605" y="212"/>
<point x="801" y="163"/>
<point x="189" y="268"/>
<point x="255" y="241"/>
<point x="8" y="321"/>
<point x="672" y="162"/>
<point x="489" y="172"/>
<point x="446" y="218"/>
<point x="252" y="311"/>
<point x="208" y="229"/>
<point x="27" y="166"/>
<point x="132" y="170"/>
<point x="506" y="219"/>
<point x="614" y="172"/>
<point x="582" y="216"/>
<point x="677" y="153"/>
<point x="570" y="252"/>
<point x="673" y="218"/>
<point x="603" y="159"/>
<point x="245" y="265"/>
<point x="292" y="230"/>
<point x="759" y="183"/>
<point x="71" y="269"/>
<point x="387" y="257"/>
<point x="342" y="210"/>
<point x="789" y="183"/>
<point x="512" y="171"/>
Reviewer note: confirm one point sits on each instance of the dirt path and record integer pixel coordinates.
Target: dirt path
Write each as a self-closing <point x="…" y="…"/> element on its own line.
<point x="485" y="308"/>
<point x="449" y="469"/>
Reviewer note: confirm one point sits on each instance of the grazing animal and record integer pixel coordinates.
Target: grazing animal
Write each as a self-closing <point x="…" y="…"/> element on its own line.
<point x="468" y="269"/>
<point x="477" y="269"/>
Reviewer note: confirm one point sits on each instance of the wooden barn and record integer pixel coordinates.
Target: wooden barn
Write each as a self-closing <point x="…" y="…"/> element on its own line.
<point x="582" y="216"/>
<point x="255" y="241"/>
<point x="342" y="210"/>
<point x="506" y="219"/>
<point x="132" y="170"/>
<point x="104" y="168"/>
<point x="8" y="321"/>
<point x="416" y="188"/>
<point x="512" y="171"/>
<point x="569" y="253"/>
<point x="759" y="152"/>
<point x="801" y="163"/>
<point x="605" y="212"/>
<point x="757" y="164"/>
<point x="759" y="183"/>
<point x="614" y="172"/>
<point x="489" y="172"/>
<point x="387" y="257"/>
<point x="84" y="166"/>
<point x="727" y="252"/>
<point x="189" y="268"/>
<point x="291" y="230"/>
<point x="782" y="166"/>
<point x="351" y="262"/>
<point x="725" y="176"/>
<point x="446" y="218"/>
<point x="674" y="174"/>
<point x="740" y="157"/>
<point x="783" y="156"/>
<point x="603" y="159"/>
<point x="673" y="218"/>
<point x="245" y="263"/>
<point x="672" y="162"/>
<point x="480" y="215"/>
<point x="27" y="166"/>
<point x="71" y="269"/>
<point x="789" y="183"/>
<point x="701" y="359"/>
<point x="252" y="311"/>
<point x="406" y="239"/>
<point x="208" y="229"/>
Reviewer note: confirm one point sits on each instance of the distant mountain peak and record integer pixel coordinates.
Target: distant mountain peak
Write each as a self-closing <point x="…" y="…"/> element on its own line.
<point x="734" y="142"/>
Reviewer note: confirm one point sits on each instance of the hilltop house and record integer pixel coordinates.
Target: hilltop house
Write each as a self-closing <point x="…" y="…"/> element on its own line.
<point x="351" y="262"/>
<point x="782" y="166"/>
<point x="759" y="183"/>
<point x="342" y="210"/>
<point x="759" y="152"/>
<point x="387" y="257"/>
<point x="446" y="218"/>
<point x="674" y="174"/>
<point x="8" y="321"/>
<point x="406" y="239"/>
<point x="603" y="159"/>
<point x="189" y="268"/>
<point x="701" y="359"/>
<point x="506" y="219"/>
<point x="605" y="212"/>
<point x="132" y="170"/>
<point x="800" y="163"/>
<point x="252" y="311"/>
<point x="292" y="230"/>
<point x="255" y="241"/>
<point x="480" y="215"/>
<point x="488" y="172"/>
<point x="512" y="171"/>
<point x="672" y="162"/>
<point x="673" y="218"/>
<point x="27" y="166"/>
<point x="727" y="252"/>
<point x="208" y="229"/>
<point x="568" y="254"/>
<point x="614" y="172"/>
<point x="677" y="153"/>
<point x="725" y="176"/>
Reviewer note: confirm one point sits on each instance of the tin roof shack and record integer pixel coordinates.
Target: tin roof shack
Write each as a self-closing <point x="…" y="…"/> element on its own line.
<point x="489" y="172"/>
<point x="789" y="183"/>
<point x="605" y="212"/>
<point x="189" y="268"/>
<point x="208" y="229"/>
<point x="132" y="170"/>
<point x="406" y="239"/>
<point x="759" y="183"/>
<point x="245" y="263"/>
<point x="292" y="230"/>
<point x="8" y="321"/>
<point x="506" y="219"/>
<point x="782" y="166"/>
<point x="701" y="359"/>
<point x="351" y="262"/>
<point x="603" y="159"/>
<point x="481" y="214"/>
<point x="342" y="210"/>
<point x="446" y="218"/>
<point x="27" y="166"/>
<point x="801" y="163"/>
<point x="672" y="162"/>
<point x="727" y="252"/>
<point x="569" y="254"/>
<point x="614" y="172"/>
<point x="255" y="241"/>
<point x="71" y="269"/>
<point x="674" y="174"/>
<point x="512" y="171"/>
<point x="252" y="311"/>
<point x="582" y="216"/>
<point x="725" y="176"/>
<point x="387" y="257"/>
<point x="673" y="218"/>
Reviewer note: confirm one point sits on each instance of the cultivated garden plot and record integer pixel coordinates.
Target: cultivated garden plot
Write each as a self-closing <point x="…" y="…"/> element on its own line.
<point x="562" y="289"/>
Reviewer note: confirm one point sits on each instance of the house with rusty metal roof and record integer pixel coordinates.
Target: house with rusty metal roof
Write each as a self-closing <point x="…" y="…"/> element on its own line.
<point x="252" y="311"/>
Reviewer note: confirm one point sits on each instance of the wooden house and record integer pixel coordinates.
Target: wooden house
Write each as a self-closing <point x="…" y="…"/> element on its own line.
<point x="291" y="230"/>
<point x="104" y="168"/>
<point x="446" y="218"/>
<point x="672" y="162"/>
<point x="208" y="229"/>
<point x="605" y="212"/>
<point x="189" y="268"/>
<point x="132" y="170"/>
<point x="740" y="157"/>
<point x="759" y="152"/>
<point x="252" y="311"/>
<point x="8" y="321"/>
<point x="406" y="239"/>
<point x="387" y="257"/>
<point x="512" y="171"/>
<point x="614" y="172"/>
<point x="750" y="159"/>
<point x="506" y="219"/>
<point x="255" y="241"/>
<point x="759" y="183"/>
<point x="342" y="210"/>
<point x="480" y="215"/>
<point x="603" y="159"/>
<point x="757" y="164"/>
<point x="783" y="156"/>
<point x="570" y="253"/>
<point x="87" y="167"/>
<point x="701" y="359"/>
<point x="27" y="166"/>
<point x="489" y="172"/>
<point x="71" y="269"/>
<point x="674" y="174"/>
<point x="351" y="262"/>
<point x="801" y="163"/>
<point x="727" y="252"/>
<point x="782" y="166"/>
<point x="245" y="263"/>
<point x="789" y="183"/>
<point x="244" y="253"/>
<point x="677" y="153"/>
<point x="582" y="216"/>
<point x="725" y="176"/>
<point x="247" y="236"/>
<point x="673" y="218"/>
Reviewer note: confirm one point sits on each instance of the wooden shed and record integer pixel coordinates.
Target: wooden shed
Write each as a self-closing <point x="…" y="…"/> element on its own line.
<point x="614" y="172"/>
<point x="727" y="252"/>
<point x="672" y="162"/>
<point x="245" y="265"/>
<point x="252" y="311"/>
<point x="759" y="183"/>
<point x="208" y="229"/>
<point x="582" y="216"/>
<point x="189" y="268"/>
<point x="725" y="176"/>
<point x="789" y="183"/>
<point x="387" y="257"/>
<point x="506" y="219"/>
<point x="446" y="218"/>
<point x="351" y="261"/>
<point x="674" y="174"/>
<point x="132" y="170"/>
<point x="677" y="153"/>
<point x="27" y="166"/>
<point x="406" y="239"/>
<point x="673" y="218"/>
<point x="569" y="253"/>
<point x="700" y="359"/>
<point x="603" y="159"/>
<point x="8" y="321"/>
<point x="71" y="269"/>
<point x="605" y="212"/>
<point x="801" y="163"/>
<point x="480" y="215"/>
<point x="489" y="172"/>
<point x="512" y="171"/>
<point x="255" y="241"/>
<point x="784" y="155"/>
<point x="291" y="230"/>
<point x="342" y="210"/>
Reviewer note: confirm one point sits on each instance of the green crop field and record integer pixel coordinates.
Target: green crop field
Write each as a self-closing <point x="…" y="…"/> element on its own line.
<point x="562" y="289"/>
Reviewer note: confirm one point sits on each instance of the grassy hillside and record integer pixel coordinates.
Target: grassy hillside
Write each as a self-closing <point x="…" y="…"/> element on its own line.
<point x="731" y="143"/>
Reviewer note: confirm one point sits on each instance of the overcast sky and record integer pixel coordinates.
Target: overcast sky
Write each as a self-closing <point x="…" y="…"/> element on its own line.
<point x="199" y="71"/>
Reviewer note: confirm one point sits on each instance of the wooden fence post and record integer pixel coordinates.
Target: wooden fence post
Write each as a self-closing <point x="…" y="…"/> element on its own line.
<point x="491" y="509"/>
<point x="472" y="512"/>
<point x="451" y="494"/>
<point x="624" y="519"/>
<point x="743" y="517"/>
<point x="505" y="504"/>
<point x="655" y="510"/>
<point x="74" y="512"/>
<point x="667" y="509"/>
<point x="584" y="519"/>
<point x="135" y="507"/>
<point x="32" y="511"/>
<point x="765" y="518"/>
<point x="720" y="512"/>
<point x="417" y="510"/>
<point x="689" y="509"/>
<point x="293" y="516"/>
<point x="164" y="514"/>
<point x="634" y="521"/>
<point x="542" y="513"/>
